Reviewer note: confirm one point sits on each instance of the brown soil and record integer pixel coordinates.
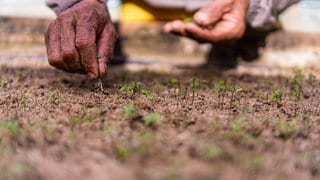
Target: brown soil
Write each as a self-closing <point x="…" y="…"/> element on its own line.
<point x="54" y="125"/>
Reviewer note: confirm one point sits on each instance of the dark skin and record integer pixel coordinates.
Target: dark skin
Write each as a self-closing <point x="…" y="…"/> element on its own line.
<point x="82" y="38"/>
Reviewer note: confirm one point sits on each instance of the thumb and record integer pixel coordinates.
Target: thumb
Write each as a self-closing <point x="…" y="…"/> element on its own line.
<point x="213" y="12"/>
<point x="106" y="43"/>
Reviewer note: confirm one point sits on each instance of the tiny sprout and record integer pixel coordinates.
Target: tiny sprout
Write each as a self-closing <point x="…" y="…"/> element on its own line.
<point x="285" y="129"/>
<point x="127" y="90"/>
<point x="173" y="81"/>
<point x="3" y="83"/>
<point x="221" y="86"/>
<point x="132" y="89"/>
<point x="10" y="125"/>
<point x="238" y="125"/>
<point x="276" y="95"/>
<point x="128" y="111"/>
<point x="195" y="83"/>
<point x="157" y="86"/>
<point x="213" y="152"/>
<point x="296" y="92"/>
<point x="122" y="152"/>
<point x="136" y="85"/>
<point x="148" y="94"/>
<point x="152" y="118"/>
<point x="87" y="118"/>
<point x="312" y="79"/>
<point x="293" y="81"/>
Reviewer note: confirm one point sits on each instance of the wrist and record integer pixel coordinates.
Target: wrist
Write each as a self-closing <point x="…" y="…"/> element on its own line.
<point x="58" y="6"/>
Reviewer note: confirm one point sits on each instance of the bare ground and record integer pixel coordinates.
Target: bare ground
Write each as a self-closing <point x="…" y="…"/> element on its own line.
<point x="186" y="124"/>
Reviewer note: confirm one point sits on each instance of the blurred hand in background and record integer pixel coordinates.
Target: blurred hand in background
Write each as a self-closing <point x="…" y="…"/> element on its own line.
<point x="221" y="20"/>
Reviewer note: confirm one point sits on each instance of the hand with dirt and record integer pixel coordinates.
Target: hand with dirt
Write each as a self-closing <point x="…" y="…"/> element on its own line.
<point x="221" y="20"/>
<point x="81" y="39"/>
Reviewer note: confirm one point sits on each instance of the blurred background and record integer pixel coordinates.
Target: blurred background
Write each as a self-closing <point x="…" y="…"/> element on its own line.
<point x="23" y="22"/>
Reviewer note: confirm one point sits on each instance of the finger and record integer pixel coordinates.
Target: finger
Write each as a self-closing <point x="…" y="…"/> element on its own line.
<point x="68" y="50"/>
<point x="222" y="31"/>
<point x="86" y="44"/>
<point x="106" y="44"/>
<point x="52" y="40"/>
<point x="213" y="12"/>
<point x="176" y="26"/>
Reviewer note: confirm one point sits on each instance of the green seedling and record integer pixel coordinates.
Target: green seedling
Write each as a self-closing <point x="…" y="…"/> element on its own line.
<point x="122" y="152"/>
<point x="174" y="81"/>
<point x="276" y="96"/>
<point x="148" y="94"/>
<point x="128" y="111"/>
<point x="136" y="86"/>
<point x="157" y="87"/>
<point x="238" y="125"/>
<point x="22" y="76"/>
<point x="128" y="91"/>
<point x="3" y="83"/>
<point x="312" y="79"/>
<point x="25" y="100"/>
<point x="73" y="122"/>
<point x="293" y="81"/>
<point x="10" y="125"/>
<point x="234" y="92"/>
<point x="221" y="89"/>
<point x="195" y="84"/>
<point x="152" y="119"/>
<point x="295" y="86"/>
<point x="285" y="129"/>
<point x="87" y="118"/>
<point x="257" y="163"/>
<point x="213" y="152"/>
<point x="296" y="92"/>
<point x="52" y="95"/>
<point x="132" y="89"/>
<point x="221" y="86"/>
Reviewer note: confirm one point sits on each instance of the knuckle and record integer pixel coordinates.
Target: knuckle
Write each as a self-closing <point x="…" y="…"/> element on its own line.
<point x="83" y="42"/>
<point x="64" y="16"/>
<point x="67" y="53"/>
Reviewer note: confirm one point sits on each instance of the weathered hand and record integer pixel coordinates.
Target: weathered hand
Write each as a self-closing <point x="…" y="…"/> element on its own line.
<point x="221" y="20"/>
<point x="81" y="39"/>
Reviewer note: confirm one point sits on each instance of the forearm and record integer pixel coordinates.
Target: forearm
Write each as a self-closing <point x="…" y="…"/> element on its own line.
<point x="264" y="13"/>
<point x="59" y="6"/>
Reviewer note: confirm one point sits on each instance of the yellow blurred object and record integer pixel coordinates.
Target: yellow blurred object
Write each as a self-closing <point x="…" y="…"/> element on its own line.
<point x="139" y="11"/>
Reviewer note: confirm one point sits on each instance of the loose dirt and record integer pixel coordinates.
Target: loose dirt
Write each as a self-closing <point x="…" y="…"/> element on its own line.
<point x="203" y="124"/>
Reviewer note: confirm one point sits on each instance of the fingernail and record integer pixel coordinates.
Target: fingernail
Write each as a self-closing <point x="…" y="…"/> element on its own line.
<point x="166" y="28"/>
<point x="201" y="17"/>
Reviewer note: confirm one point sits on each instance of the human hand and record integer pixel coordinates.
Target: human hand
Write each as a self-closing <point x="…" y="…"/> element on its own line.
<point x="221" y="20"/>
<point x="81" y="39"/>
